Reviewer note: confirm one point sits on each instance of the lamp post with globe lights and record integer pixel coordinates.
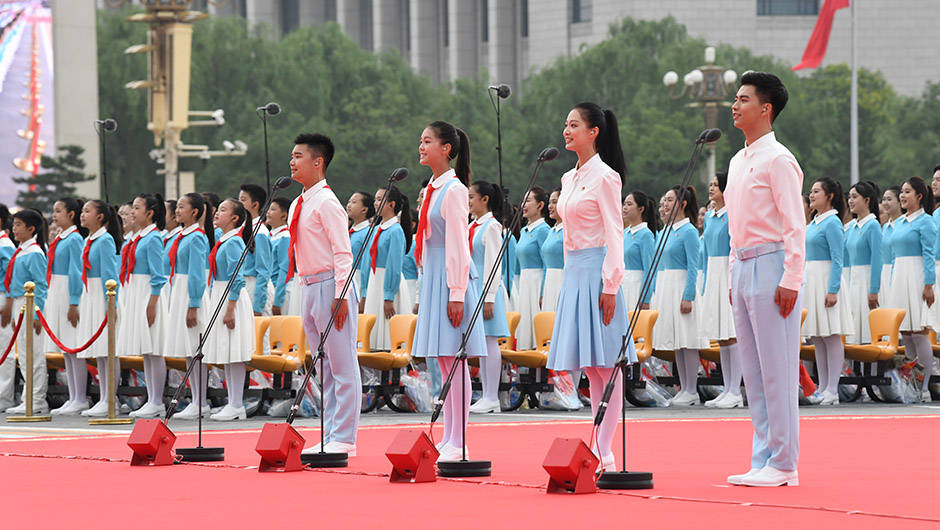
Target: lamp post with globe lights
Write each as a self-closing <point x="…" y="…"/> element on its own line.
<point x="709" y="86"/>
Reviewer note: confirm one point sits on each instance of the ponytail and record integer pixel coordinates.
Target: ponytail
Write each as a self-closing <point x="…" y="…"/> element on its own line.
<point x="154" y="203"/>
<point x="691" y="204"/>
<point x="74" y="207"/>
<point x="650" y="215"/>
<point x="243" y="219"/>
<point x="494" y="197"/>
<point x="32" y="217"/>
<point x="607" y="142"/>
<point x="459" y="144"/>
<point x="403" y="209"/>
<point x="539" y="194"/>
<point x="198" y="203"/>
<point x="833" y="187"/>
<point x="111" y="221"/>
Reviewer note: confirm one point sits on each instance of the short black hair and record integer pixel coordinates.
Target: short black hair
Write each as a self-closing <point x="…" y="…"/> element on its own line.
<point x="256" y="193"/>
<point x="769" y="89"/>
<point x="936" y="168"/>
<point x="319" y="144"/>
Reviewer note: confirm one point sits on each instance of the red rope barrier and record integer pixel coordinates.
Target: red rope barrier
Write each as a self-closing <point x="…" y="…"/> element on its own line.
<point x="16" y="331"/>
<point x="65" y="348"/>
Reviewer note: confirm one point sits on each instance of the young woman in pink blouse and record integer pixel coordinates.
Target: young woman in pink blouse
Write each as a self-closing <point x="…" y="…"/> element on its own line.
<point x="591" y="317"/>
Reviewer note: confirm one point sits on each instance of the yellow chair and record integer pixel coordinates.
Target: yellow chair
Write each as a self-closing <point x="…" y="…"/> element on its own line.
<point x="366" y="323"/>
<point x="544" y="324"/>
<point x="402" y="333"/>
<point x="512" y="318"/>
<point x="286" y="337"/>
<point x="643" y="333"/>
<point x="885" y="324"/>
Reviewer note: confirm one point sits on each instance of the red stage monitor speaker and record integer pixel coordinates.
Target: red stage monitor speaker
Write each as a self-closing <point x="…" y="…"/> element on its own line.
<point x="280" y="446"/>
<point x="412" y="456"/>
<point x="152" y="443"/>
<point x="570" y="465"/>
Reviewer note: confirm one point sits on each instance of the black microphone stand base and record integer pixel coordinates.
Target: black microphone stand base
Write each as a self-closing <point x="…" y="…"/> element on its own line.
<point x="625" y="480"/>
<point x="464" y="468"/>
<point x="325" y="459"/>
<point x="201" y="454"/>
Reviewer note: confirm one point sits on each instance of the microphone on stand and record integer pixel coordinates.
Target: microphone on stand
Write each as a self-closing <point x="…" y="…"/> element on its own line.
<point x="109" y="125"/>
<point x="271" y="109"/>
<point x="503" y="90"/>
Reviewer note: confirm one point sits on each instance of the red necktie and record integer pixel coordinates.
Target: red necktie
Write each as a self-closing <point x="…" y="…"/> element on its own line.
<point x="55" y="242"/>
<point x="423" y="224"/>
<point x="473" y="229"/>
<point x="212" y="265"/>
<point x="128" y="259"/>
<point x="374" y="251"/>
<point x="175" y="248"/>
<point x="351" y="231"/>
<point x="86" y="263"/>
<point x="9" y="274"/>
<point x="294" y="225"/>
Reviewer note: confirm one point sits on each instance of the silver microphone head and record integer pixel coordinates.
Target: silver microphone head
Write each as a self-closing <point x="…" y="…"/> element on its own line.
<point x="109" y="125"/>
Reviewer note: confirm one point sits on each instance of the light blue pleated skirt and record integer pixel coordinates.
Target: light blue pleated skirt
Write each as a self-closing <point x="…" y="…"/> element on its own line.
<point x="496" y="326"/>
<point x="580" y="339"/>
<point x="434" y="336"/>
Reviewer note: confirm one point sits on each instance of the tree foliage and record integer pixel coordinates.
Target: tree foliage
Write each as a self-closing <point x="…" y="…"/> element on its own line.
<point x="58" y="180"/>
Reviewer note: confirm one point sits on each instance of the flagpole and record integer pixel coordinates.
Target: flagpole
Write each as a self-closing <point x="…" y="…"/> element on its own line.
<point x="854" y="99"/>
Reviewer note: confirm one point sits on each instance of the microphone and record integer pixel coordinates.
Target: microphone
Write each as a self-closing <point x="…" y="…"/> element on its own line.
<point x="109" y="124"/>
<point x="282" y="182"/>
<point x="708" y="136"/>
<point x="271" y="109"/>
<point x="549" y="153"/>
<point x="502" y="90"/>
<point x="399" y="174"/>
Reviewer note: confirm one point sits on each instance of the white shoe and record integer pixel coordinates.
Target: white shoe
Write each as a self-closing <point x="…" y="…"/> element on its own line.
<point x="440" y="445"/>
<point x="684" y="398"/>
<point x="311" y="450"/>
<point x="100" y="410"/>
<point x="191" y="412"/>
<point x="59" y="410"/>
<point x="607" y="464"/>
<point x="229" y="413"/>
<point x="149" y="410"/>
<point x="829" y="398"/>
<point x="769" y="477"/>
<point x="485" y="406"/>
<point x="713" y="403"/>
<point x="738" y="480"/>
<point x="731" y="401"/>
<point x="340" y="447"/>
<point x="450" y="453"/>
<point x="77" y="408"/>
<point x="19" y="409"/>
<point x="925" y="396"/>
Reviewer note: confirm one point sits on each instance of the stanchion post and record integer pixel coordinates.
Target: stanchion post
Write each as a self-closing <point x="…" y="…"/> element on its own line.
<point x="27" y="328"/>
<point x="112" y="418"/>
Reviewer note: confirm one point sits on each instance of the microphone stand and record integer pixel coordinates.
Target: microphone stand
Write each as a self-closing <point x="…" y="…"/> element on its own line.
<point x="499" y="169"/>
<point x="464" y="467"/>
<point x="264" y="121"/>
<point x="213" y="454"/>
<point x="322" y="458"/>
<point x="100" y="128"/>
<point x="624" y="479"/>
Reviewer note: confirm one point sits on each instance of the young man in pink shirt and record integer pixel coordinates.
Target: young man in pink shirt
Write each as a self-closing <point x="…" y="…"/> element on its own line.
<point x="320" y="250"/>
<point x="767" y="228"/>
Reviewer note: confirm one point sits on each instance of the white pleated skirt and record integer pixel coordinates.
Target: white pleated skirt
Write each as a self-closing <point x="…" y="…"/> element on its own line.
<point x="375" y="305"/>
<point x="92" y="310"/>
<point x="56" y="312"/>
<point x="907" y="293"/>
<point x="292" y="297"/>
<point x="553" y="279"/>
<point x="674" y="330"/>
<point x="250" y="283"/>
<point x="134" y="335"/>
<point x="529" y="292"/>
<point x="858" y="293"/>
<point x="226" y="346"/>
<point x="412" y="286"/>
<point x="632" y="284"/>
<point x="182" y="341"/>
<point x="714" y="310"/>
<point x="885" y="285"/>
<point x="822" y="321"/>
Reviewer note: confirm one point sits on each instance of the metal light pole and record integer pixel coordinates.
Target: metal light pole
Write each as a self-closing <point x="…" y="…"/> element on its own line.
<point x="709" y="86"/>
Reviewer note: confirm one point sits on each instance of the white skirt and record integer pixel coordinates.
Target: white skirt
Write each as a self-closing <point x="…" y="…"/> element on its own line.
<point x="858" y="294"/>
<point x="674" y="330"/>
<point x="907" y="293"/>
<point x="250" y="283"/>
<point x="56" y="312"/>
<point x="182" y="341"/>
<point x="553" y="278"/>
<point x="529" y="292"/>
<point x="226" y="346"/>
<point x="715" y="318"/>
<point x="412" y="286"/>
<point x="292" y="298"/>
<point x="375" y="305"/>
<point x="92" y="310"/>
<point x="632" y="284"/>
<point x="822" y="321"/>
<point x="134" y="335"/>
<point x="885" y="285"/>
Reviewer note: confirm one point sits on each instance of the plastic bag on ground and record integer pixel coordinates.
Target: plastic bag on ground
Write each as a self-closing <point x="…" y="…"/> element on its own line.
<point x="564" y="396"/>
<point x="417" y="390"/>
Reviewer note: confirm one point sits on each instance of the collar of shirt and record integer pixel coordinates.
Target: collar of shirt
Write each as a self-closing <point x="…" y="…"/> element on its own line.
<point x="173" y="233"/>
<point x="586" y="167"/>
<point x="145" y="231"/>
<point x="861" y="222"/>
<point x="529" y="227"/>
<point x="913" y="215"/>
<point x="822" y="216"/>
<point x="360" y="226"/>
<point x="279" y="230"/>
<point x="310" y="192"/>
<point x="719" y="212"/>
<point x="190" y="229"/>
<point x="228" y="235"/>
<point x="255" y="221"/>
<point x="483" y="218"/>
<point x="847" y="226"/>
<point x="757" y="145"/>
<point x="636" y="228"/>
<point x="65" y="233"/>
<point x="388" y="224"/>
<point x="96" y="235"/>
<point x="678" y="224"/>
<point x="557" y="227"/>
<point x="890" y="222"/>
<point x="441" y="180"/>
<point x="29" y="245"/>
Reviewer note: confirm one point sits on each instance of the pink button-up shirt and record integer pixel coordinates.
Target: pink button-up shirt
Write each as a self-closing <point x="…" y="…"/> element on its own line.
<point x="589" y="207"/>
<point x="764" y="202"/>
<point x="322" y="235"/>
<point x="455" y="210"/>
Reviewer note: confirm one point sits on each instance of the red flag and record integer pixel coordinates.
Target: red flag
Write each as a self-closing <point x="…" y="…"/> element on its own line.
<point x="819" y="40"/>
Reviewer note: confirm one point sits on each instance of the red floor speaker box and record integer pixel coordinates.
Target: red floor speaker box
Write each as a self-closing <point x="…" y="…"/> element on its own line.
<point x="571" y="466"/>
<point x="152" y="443"/>
<point x="280" y="446"/>
<point x="412" y="456"/>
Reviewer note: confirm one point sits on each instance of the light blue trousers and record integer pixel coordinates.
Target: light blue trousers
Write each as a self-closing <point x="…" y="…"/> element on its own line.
<point x="342" y="383"/>
<point x="769" y="348"/>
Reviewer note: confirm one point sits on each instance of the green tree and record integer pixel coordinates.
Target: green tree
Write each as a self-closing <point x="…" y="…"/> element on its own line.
<point x="64" y="171"/>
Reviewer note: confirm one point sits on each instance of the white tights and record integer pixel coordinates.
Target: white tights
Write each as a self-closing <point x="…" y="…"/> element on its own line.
<point x="731" y="369"/>
<point x="103" y="375"/>
<point x="155" y="378"/>
<point x="457" y="404"/>
<point x="491" y="369"/>
<point x="598" y="377"/>
<point x="830" y="355"/>
<point x="920" y="343"/>
<point x="76" y="373"/>
<point x="235" y="383"/>
<point x="687" y="363"/>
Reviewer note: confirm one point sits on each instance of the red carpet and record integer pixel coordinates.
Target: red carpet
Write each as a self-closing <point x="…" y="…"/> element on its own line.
<point x="858" y="472"/>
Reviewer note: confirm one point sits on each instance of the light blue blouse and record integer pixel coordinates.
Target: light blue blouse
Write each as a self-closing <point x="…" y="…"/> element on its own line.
<point x="863" y="242"/>
<point x="639" y="245"/>
<point x="915" y="235"/>
<point x="682" y="252"/>
<point x="825" y="241"/>
<point x="390" y="255"/>
<point x="68" y="262"/>
<point x="553" y="249"/>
